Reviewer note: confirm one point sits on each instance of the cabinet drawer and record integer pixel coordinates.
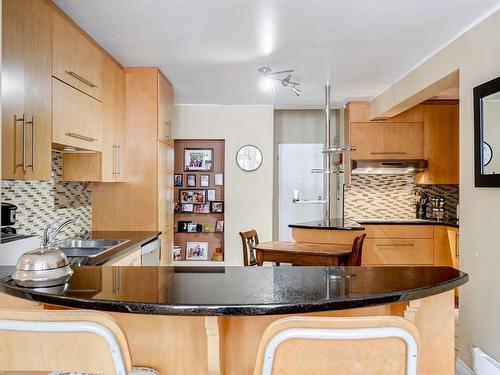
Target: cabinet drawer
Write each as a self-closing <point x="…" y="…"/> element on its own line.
<point x="387" y="141"/>
<point x="75" y="59"/>
<point x="398" y="252"/>
<point x="399" y="231"/>
<point x="133" y="258"/>
<point x="76" y="118"/>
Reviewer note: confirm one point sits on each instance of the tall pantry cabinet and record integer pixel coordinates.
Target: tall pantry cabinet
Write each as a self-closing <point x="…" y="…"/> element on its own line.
<point x="144" y="202"/>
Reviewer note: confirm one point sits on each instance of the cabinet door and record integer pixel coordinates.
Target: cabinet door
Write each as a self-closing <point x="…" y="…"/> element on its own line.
<point x="165" y="109"/>
<point x="387" y="141"/>
<point x="13" y="120"/>
<point x="113" y="145"/>
<point x="133" y="258"/>
<point x="165" y="185"/>
<point x="38" y="85"/>
<point x="76" y="118"/>
<point x="75" y="59"/>
<point x="26" y="110"/>
<point x="167" y="245"/>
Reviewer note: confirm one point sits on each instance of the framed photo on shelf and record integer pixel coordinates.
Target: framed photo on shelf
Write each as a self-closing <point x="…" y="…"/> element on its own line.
<point x="192" y="196"/>
<point x="219" y="179"/>
<point x="182" y="226"/>
<point x="187" y="207"/>
<point x="191" y="180"/>
<point x="217" y="207"/>
<point x="196" y="250"/>
<point x="210" y="195"/>
<point x="198" y="159"/>
<point x="194" y="228"/>
<point x="205" y="180"/>
<point x="177" y="179"/>
<point x="177" y="253"/>
<point x="202" y="208"/>
<point x="219" y="226"/>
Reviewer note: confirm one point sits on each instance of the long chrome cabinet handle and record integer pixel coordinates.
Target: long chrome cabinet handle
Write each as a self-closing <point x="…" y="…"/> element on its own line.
<point x="79" y="136"/>
<point x="389" y="153"/>
<point x="80" y="78"/>
<point x="32" y="123"/>
<point x="114" y="160"/>
<point x="119" y="160"/>
<point x="22" y="120"/>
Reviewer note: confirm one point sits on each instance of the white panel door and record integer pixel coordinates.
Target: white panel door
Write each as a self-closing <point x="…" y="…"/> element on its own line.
<point x="295" y="162"/>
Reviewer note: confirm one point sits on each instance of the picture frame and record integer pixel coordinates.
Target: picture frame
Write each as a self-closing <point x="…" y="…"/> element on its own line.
<point x="191" y="180"/>
<point x="192" y="196"/>
<point x="194" y="228"/>
<point x="205" y="180"/>
<point x="187" y="207"/>
<point x="211" y="195"/>
<point x="198" y="159"/>
<point x="178" y="179"/>
<point x="217" y="207"/>
<point x="219" y="179"/>
<point x="197" y="251"/>
<point x="202" y="208"/>
<point x="182" y="226"/>
<point x="177" y="253"/>
<point x="219" y="226"/>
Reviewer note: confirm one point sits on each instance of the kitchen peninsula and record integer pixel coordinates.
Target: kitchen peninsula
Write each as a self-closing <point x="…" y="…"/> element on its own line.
<point x="209" y="321"/>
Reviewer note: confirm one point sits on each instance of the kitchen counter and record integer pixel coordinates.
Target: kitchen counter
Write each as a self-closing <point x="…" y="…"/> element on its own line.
<point x="332" y="224"/>
<point x="135" y="240"/>
<point x="241" y="290"/>
<point x="447" y="223"/>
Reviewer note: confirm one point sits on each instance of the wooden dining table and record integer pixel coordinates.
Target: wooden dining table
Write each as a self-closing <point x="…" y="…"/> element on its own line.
<point x="300" y="253"/>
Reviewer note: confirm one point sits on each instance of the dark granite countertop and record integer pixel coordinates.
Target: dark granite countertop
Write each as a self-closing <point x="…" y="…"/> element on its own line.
<point x="448" y="223"/>
<point x="332" y="224"/>
<point x="135" y="239"/>
<point x="205" y="291"/>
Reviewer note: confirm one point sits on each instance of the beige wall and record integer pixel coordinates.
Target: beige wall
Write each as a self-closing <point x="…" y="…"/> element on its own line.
<point x="477" y="56"/>
<point x="248" y="195"/>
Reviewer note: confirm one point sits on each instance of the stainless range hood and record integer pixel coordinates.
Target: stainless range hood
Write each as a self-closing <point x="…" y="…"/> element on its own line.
<point x="393" y="167"/>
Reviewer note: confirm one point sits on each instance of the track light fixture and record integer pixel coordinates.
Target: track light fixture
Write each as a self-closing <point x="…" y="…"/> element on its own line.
<point x="284" y="76"/>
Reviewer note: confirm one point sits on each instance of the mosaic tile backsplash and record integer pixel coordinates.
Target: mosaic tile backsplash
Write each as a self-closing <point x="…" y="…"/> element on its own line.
<point x="41" y="202"/>
<point x="392" y="197"/>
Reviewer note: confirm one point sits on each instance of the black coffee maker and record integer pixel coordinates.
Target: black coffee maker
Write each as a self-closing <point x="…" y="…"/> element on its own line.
<point x="9" y="212"/>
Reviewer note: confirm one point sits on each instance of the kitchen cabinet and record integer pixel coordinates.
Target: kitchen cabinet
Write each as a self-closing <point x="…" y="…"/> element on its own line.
<point x="397" y="251"/>
<point x="145" y="200"/>
<point x="76" y="118"/>
<point x="360" y="112"/>
<point x="165" y="109"/>
<point x="387" y="140"/>
<point x="76" y="60"/>
<point x="441" y="143"/>
<point x="26" y="106"/>
<point x="131" y="258"/>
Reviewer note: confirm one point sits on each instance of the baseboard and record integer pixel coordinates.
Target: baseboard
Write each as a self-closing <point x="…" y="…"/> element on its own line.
<point x="461" y="368"/>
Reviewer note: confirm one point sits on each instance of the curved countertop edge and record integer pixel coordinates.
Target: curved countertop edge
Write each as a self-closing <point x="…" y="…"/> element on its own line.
<point x="237" y="309"/>
<point x="361" y="223"/>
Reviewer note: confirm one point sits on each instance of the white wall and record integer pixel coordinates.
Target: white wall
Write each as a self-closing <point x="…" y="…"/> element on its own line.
<point x="477" y="55"/>
<point x="248" y="195"/>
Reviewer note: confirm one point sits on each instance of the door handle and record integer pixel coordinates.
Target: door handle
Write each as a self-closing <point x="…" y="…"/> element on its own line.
<point x="81" y="79"/>
<point x="114" y="160"/>
<point x="32" y="123"/>
<point x="22" y="120"/>
<point x="82" y="137"/>
<point x="389" y="153"/>
<point x="119" y="160"/>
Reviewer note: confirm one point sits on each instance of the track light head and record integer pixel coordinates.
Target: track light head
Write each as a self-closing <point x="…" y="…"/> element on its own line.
<point x="264" y="70"/>
<point x="296" y="90"/>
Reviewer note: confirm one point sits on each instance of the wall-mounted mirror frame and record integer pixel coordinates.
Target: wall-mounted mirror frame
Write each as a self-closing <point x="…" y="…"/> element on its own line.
<point x="486" y="154"/>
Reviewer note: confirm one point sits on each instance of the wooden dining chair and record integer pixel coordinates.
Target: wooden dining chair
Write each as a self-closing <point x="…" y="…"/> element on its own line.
<point x="354" y="257"/>
<point x="249" y="239"/>
<point x="356" y="346"/>
<point x="64" y="341"/>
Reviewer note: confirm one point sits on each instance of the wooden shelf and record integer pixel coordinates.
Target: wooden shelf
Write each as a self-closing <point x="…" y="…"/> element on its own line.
<point x="195" y="263"/>
<point x="211" y="232"/>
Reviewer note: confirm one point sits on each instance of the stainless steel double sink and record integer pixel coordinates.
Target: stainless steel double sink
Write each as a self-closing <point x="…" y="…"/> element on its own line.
<point x="87" y="248"/>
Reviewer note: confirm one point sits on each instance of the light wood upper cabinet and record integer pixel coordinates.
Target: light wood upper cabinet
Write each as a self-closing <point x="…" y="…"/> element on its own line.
<point x="26" y="106"/>
<point x="360" y="112"/>
<point x="387" y="140"/>
<point x="75" y="59"/>
<point x="165" y="109"/>
<point x="441" y="143"/>
<point x="76" y="118"/>
<point x="113" y="149"/>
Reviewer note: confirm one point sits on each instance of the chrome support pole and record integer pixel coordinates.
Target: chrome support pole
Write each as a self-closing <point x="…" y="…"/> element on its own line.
<point x="326" y="155"/>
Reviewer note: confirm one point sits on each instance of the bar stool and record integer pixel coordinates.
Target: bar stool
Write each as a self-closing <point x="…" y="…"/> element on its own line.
<point x="362" y="345"/>
<point x="64" y="341"/>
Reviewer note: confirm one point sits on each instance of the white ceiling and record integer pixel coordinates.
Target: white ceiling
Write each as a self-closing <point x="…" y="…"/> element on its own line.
<point x="211" y="49"/>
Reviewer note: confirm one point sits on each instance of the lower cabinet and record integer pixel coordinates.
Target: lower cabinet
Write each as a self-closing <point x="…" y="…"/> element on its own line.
<point x="132" y="258"/>
<point x="397" y="251"/>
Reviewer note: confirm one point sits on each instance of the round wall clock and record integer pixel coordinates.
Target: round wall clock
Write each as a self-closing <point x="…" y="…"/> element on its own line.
<point x="249" y="158"/>
<point x="487" y="154"/>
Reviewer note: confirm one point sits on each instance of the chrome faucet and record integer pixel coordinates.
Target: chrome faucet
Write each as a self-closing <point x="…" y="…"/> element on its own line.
<point x="52" y="230"/>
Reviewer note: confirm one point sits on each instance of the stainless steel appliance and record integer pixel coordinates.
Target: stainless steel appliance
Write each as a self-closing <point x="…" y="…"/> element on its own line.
<point x="9" y="215"/>
<point x="150" y="253"/>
